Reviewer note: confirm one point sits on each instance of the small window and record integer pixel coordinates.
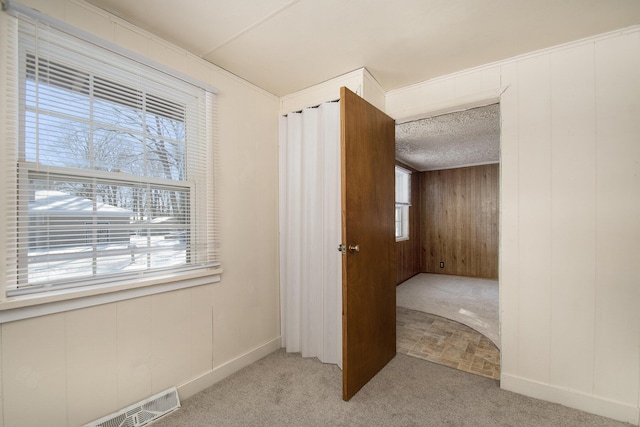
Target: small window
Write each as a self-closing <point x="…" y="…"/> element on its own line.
<point x="403" y="201"/>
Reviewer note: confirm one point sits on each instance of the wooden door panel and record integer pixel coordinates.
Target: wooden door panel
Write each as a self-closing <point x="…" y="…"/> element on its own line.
<point x="368" y="275"/>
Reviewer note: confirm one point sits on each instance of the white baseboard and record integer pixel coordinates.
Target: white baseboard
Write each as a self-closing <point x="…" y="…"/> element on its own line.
<point x="572" y="398"/>
<point x="219" y="373"/>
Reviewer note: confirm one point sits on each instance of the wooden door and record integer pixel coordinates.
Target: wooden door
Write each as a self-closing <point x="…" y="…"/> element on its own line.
<point x="368" y="232"/>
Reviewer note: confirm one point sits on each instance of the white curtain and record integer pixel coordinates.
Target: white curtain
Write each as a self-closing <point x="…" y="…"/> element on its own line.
<point x="310" y="232"/>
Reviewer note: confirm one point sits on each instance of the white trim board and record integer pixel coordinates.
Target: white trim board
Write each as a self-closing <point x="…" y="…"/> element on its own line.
<point x="218" y="373"/>
<point x="574" y="399"/>
<point x="77" y="298"/>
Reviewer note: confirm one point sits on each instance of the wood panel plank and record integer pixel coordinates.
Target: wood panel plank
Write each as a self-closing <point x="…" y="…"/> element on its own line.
<point x="408" y="252"/>
<point x="459" y="221"/>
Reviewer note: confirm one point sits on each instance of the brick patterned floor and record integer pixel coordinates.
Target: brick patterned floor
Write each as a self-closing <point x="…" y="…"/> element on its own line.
<point x="446" y="342"/>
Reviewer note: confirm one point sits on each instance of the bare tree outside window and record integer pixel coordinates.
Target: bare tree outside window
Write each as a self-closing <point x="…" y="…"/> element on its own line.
<point x="125" y="151"/>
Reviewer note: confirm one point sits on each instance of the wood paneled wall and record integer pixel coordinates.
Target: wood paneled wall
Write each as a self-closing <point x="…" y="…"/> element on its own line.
<point x="408" y="251"/>
<point x="459" y="212"/>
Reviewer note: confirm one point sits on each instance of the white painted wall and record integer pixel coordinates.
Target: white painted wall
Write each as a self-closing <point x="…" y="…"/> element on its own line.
<point x="570" y="215"/>
<point x="359" y="81"/>
<point x="323" y="92"/>
<point x="76" y="366"/>
<point x="570" y="241"/>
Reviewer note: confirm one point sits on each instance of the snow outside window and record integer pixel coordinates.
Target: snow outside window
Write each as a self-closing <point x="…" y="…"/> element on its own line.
<point x="109" y="170"/>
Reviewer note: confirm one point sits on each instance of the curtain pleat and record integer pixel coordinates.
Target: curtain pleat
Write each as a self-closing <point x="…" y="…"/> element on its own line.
<point x="310" y="222"/>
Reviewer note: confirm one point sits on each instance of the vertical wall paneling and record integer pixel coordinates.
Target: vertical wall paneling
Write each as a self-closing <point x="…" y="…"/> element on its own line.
<point x="52" y="8"/>
<point x="170" y="339"/>
<point x="130" y="39"/>
<point x="467" y="83"/>
<point x="91" y="343"/>
<point x="166" y="340"/>
<point x="34" y="372"/>
<point x="408" y="252"/>
<point x="250" y="238"/>
<point x="617" y="322"/>
<point x="88" y="20"/>
<point x="441" y="93"/>
<point x="201" y="330"/>
<point x="404" y="103"/>
<point x="534" y="226"/>
<point x="372" y="91"/>
<point x="267" y="234"/>
<point x="325" y="92"/>
<point x="133" y="318"/>
<point x="573" y="243"/>
<point x="459" y="217"/>
<point x="508" y="218"/>
<point x="34" y="352"/>
<point x="569" y="229"/>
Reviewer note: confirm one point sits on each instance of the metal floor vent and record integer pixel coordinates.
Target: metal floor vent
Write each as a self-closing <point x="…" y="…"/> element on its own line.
<point x="142" y="412"/>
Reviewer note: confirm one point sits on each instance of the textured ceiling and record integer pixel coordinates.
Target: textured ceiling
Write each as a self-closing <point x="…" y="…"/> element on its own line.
<point x="284" y="46"/>
<point x="464" y="138"/>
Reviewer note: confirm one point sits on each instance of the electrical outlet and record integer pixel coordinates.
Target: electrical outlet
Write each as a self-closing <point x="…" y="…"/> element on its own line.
<point x="441" y="264"/>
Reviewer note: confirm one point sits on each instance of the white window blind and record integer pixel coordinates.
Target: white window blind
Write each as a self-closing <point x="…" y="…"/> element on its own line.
<point x="403" y="201"/>
<point x="403" y="186"/>
<point x="109" y="166"/>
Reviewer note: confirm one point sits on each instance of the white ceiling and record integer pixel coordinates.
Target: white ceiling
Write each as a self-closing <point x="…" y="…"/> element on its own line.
<point x="284" y="46"/>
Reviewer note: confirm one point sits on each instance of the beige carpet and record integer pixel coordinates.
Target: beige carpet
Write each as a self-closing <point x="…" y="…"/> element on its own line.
<point x="287" y="390"/>
<point x="470" y="301"/>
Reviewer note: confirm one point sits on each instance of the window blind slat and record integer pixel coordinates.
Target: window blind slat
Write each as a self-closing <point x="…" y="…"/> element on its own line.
<point x="403" y="201"/>
<point x="110" y="166"/>
<point x="403" y="186"/>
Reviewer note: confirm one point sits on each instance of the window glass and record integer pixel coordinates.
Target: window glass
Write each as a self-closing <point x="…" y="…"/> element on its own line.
<point x="403" y="202"/>
<point x="111" y="169"/>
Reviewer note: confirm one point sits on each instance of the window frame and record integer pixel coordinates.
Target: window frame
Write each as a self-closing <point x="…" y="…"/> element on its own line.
<point x="131" y="286"/>
<point x="402" y="204"/>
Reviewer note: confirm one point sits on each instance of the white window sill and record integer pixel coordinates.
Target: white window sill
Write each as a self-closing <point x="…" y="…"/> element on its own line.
<point x="401" y="239"/>
<point x="28" y="306"/>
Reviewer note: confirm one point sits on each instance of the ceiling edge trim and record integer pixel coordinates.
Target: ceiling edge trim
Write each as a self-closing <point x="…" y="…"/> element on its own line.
<point x="470" y="165"/>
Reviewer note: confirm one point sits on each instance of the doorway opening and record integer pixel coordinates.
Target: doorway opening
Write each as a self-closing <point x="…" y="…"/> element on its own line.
<point x="448" y="308"/>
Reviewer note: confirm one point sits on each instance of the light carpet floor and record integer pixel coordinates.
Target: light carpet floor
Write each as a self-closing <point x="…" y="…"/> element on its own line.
<point x="470" y="301"/>
<point x="287" y="390"/>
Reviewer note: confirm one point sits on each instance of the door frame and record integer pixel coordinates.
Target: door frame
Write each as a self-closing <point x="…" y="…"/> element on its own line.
<point x="452" y="107"/>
